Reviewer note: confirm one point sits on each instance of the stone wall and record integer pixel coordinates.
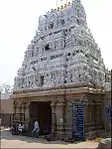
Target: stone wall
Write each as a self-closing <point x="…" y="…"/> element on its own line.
<point x="6" y="106"/>
<point x="61" y="104"/>
<point x="6" y="112"/>
<point x="106" y="116"/>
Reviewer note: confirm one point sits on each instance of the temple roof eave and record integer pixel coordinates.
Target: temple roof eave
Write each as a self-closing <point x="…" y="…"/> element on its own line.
<point x="55" y="92"/>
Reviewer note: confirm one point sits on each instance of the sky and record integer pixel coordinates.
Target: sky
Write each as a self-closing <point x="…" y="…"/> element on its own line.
<point x="19" y="21"/>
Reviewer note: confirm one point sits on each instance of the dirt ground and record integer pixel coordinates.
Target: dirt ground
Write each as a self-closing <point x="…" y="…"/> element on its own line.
<point x="9" y="141"/>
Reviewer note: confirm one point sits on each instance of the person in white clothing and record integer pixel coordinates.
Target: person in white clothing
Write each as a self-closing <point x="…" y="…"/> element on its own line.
<point x="20" y="128"/>
<point x="36" y="129"/>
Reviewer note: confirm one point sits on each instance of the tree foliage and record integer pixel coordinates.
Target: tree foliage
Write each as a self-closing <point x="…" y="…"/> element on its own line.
<point x="6" y="88"/>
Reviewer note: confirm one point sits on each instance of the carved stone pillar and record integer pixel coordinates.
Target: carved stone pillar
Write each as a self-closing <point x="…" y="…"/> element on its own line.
<point x="60" y="113"/>
<point x="53" y="125"/>
<point x="14" y="107"/>
<point x="20" y="113"/>
<point x="86" y="117"/>
<point x="98" y="113"/>
<point x="86" y="113"/>
<point x="27" y="114"/>
<point x="99" y="124"/>
<point x="68" y="125"/>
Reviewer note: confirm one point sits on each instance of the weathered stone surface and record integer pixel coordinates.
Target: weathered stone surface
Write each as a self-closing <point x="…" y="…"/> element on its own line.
<point x="63" y="60"/>
<point x="105" y="143"/>
<point x="63" y="51"/>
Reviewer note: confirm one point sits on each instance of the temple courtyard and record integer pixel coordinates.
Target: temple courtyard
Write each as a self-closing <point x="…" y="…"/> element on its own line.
<point x="9" y="141"/>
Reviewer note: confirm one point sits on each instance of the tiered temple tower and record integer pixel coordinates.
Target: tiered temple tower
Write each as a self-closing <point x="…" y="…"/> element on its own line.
<point x="63" y="51"/>
<point x="62" y="67"/>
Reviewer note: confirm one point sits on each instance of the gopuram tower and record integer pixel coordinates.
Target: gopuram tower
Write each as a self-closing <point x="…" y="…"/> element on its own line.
<point x="63" y="65"/>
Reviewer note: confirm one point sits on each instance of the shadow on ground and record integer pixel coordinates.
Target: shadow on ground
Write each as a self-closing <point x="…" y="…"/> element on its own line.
<point x="6" y="135"/>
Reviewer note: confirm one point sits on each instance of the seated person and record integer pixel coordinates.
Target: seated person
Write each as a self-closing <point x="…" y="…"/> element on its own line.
<point x="14" y="129"/>
<point x="21" y="128"/>
<point x="11" y="128"/>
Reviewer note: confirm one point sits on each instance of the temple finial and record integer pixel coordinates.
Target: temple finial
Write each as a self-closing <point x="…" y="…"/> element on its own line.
<point x="77" y="1"/>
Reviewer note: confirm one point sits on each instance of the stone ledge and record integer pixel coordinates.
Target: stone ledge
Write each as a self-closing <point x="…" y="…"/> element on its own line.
<point x="54" y="92"/>
<point x="63" y="86"/>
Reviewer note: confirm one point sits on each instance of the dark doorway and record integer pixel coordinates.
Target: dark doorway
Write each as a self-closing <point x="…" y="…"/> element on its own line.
<point x="41" y="111"/>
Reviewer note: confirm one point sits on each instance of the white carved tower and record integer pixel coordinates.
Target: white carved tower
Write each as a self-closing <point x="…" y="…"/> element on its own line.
<point x="63" y="51"/>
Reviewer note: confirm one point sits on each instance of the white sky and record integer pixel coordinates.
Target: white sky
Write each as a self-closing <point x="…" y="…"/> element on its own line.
<point x="18" y="22"/>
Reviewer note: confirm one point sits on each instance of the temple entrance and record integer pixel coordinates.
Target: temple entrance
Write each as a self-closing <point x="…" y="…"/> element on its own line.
<point x="41" y="111"/>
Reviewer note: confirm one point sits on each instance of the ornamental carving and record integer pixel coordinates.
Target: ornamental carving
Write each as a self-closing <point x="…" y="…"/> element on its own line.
<point x="63" y="51"/>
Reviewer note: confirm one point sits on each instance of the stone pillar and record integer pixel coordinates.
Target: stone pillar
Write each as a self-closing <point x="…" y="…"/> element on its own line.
<point x="60" y="113"/>
<point x="99" y="124"/>
<point x="27" y="114"/>
<point x="86" y="113"/>
<point x="68" y="124"/>
<point x="86" y="117"/>
<point x="14" y="106"/>
<point x="53" y="124"/>
<point x="98" y="113"/>
<point x="14" y="109"/>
